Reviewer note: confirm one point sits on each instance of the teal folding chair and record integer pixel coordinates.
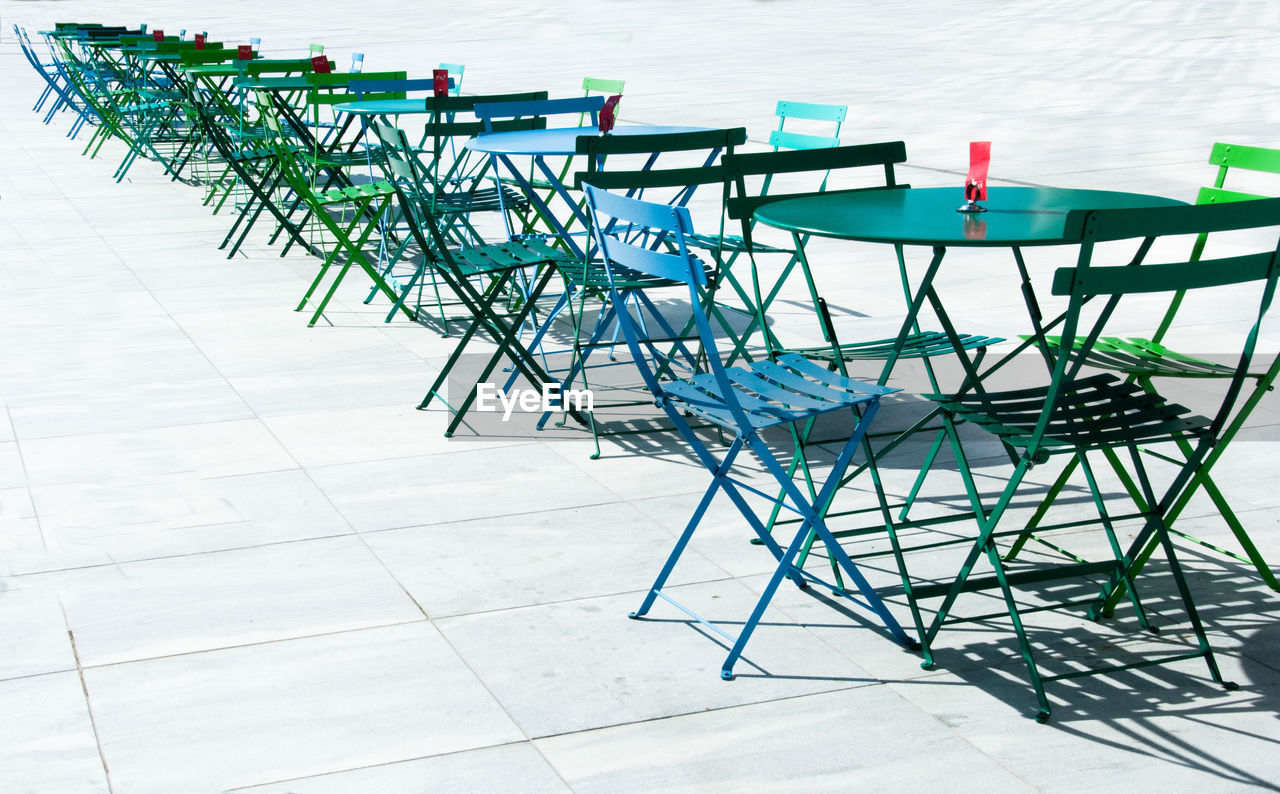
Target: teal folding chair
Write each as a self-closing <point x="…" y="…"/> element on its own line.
<point x="821" y="130"/>
<point x="745" y="402"/>
<point x="456" y="71"/>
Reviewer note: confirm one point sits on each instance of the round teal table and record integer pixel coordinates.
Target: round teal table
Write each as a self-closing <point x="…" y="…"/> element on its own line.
<point x="382" y="107"/>
<point x="1015" y="216"/>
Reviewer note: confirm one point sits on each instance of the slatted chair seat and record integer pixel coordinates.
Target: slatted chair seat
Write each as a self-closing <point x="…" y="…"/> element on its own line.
<point x="791" y="390"/>
<point x="345" y="159"/>
<point x="488" y="199"/>
<point x="1094" y="413"/>
<point x="342" y="194"/>
<point x="1143" y="357"/>
<point x="498" y="257"/>
<point x="921" y="345"/>
<point x="733" y="244"/>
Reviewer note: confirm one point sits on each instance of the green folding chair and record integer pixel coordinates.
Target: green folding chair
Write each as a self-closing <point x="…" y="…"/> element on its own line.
<point x="1143" y="360"/>
<point x="448" y="204"/>
<point x="1084" y="416"/>
<point x="365" y="206"/>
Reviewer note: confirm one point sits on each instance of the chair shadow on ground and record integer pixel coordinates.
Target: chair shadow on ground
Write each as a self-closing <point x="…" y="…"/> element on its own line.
<point x="1133" y="711"/>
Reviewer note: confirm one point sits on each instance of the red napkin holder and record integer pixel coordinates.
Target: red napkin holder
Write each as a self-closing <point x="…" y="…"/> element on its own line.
<point x="975" y="184"/>
<point x="609" y="113"/>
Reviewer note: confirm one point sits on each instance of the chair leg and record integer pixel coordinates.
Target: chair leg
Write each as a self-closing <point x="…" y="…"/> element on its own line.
<point x="718" y="480"/>
<point x="479" y="312"/>
<point x="1123" y="563"/>
<point x="1024" y="645"/>
<point x="1158" y="522"/>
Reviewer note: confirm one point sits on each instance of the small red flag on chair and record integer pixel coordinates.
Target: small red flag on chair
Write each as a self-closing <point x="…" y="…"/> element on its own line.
<point x="609" y="113"/>
<point x="244" y="52"/>
<point x="440" y="82"/>
<point x="975" y="185"/>
<point x="320" y="64"/>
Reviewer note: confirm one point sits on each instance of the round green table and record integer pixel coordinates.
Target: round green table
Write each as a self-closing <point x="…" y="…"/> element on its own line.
<point x="1015" y="216"/>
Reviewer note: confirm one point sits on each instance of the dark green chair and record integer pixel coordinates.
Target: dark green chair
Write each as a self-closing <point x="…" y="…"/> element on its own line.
<point x="1084" y="416"/>
<point x="1144" y="360"/>
<point x="359" y="208"/>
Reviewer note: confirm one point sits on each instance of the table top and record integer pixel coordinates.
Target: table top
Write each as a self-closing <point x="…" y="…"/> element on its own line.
<point x="274" y="83"/>
<point x="1020" y="216"/>
<point x="381" y="107"/>
<point x="559" y="140"/>
<point x="220" y="69"/>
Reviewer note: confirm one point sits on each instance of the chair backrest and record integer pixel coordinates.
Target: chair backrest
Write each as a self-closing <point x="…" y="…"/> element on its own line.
<point x="1228" y="157"/>
<point x="281" y="66"/>
<point x="604" y="87"/>
<point x="781" y="138"/>
<point x="362" y="87"/>
<point x="455" y="70"/>
<point x="212" y="53"/>
<point x="357" y="63"/>
<point x="601" y="85"/>
<point x="488" y="112"/>
<point x="336" y="88"/>
<point x="708" y="146"/>
<point x="456" y="116"/>
<point x="741" y="202"/>
<point x="598" y="147"/>
<point x="625" y="258"/>
<point x="1088" y="280"/>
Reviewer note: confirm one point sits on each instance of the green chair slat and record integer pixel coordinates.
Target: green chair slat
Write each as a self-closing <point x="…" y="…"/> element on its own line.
<point x="1249" y="158"/>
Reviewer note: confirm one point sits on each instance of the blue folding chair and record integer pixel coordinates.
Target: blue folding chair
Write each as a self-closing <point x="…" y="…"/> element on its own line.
<point x="57" y="86"/>
<point x="743" y="401"/>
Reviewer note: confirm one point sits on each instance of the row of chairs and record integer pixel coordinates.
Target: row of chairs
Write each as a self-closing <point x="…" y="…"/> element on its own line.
<point x="409" y="215"/>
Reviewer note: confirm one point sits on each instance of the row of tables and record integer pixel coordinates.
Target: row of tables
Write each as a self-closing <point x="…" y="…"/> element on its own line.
<point x="918" y="218"/>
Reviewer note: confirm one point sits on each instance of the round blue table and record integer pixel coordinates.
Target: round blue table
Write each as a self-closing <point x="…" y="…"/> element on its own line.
<point x="556" y="141"/>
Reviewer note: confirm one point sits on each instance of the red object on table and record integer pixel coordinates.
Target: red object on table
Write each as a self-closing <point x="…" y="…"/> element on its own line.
<point x="609" y="113"/>
<point x="158" y="35"/>
<point x="244" y="52"/>
<point x="440" y="82"/>
<point x="320" y="64"/>
<point x="975" y="185"/>
<point x="199" y="41"/>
